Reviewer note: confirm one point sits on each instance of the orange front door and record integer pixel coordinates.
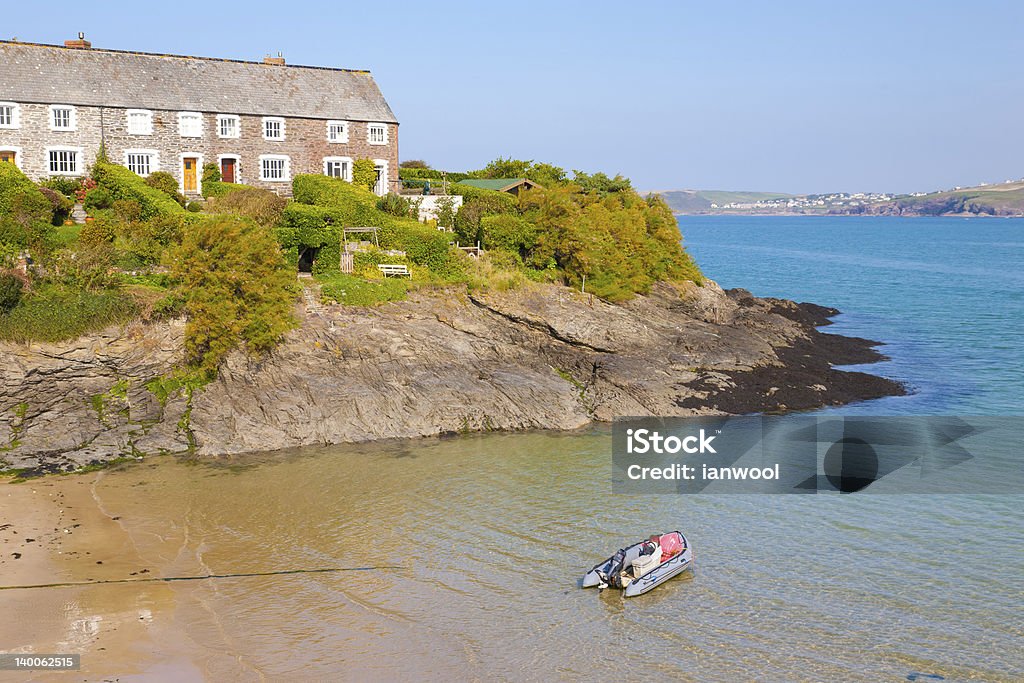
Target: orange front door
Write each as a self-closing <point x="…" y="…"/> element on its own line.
<point x="7" y="156"/>
<point x="189" y="170"/>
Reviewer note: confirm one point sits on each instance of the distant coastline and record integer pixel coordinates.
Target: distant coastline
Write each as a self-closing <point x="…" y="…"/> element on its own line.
<point x="998" y="200"/>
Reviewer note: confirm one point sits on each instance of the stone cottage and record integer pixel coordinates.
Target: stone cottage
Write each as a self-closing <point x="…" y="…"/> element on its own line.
<point x="260" y="122"/>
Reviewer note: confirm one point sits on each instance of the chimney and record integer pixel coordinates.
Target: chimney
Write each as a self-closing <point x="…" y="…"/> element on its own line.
<point x="276" y="61"/>
<point x="80" y="44"/>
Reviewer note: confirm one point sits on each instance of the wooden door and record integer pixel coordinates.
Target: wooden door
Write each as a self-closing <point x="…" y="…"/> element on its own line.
<point x="227" y="170"/>
<point x="7" y="156"/>
<point x="189" y="170"/>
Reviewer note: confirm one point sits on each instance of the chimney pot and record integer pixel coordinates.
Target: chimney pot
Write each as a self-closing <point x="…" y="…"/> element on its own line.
<point x="276" y="61"/>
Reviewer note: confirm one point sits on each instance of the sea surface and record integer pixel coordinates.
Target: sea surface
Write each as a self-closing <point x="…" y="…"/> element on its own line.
<point x="471" y="549"/>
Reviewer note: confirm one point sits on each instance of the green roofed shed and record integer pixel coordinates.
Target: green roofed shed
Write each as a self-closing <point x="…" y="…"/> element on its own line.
<point x="510" y="185"/>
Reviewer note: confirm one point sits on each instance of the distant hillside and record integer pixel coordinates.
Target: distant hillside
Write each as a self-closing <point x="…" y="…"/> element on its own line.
<point x="700" y="201"/>
<point x="1003" y="199"/>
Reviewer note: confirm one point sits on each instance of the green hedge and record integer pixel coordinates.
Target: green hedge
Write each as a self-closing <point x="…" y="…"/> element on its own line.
<point x="123" y="184"/>
<point x="431" y="174"/>
<point x="506" y="201"/>
<point x="19" y="195"/>
<point x="218" y="188"/>
<point x="345" y="204"/>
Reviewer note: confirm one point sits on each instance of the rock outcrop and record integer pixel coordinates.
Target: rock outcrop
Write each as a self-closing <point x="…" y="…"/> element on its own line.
<point x="439" y="363"/>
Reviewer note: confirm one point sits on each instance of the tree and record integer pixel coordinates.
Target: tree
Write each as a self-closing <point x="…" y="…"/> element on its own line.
<point x="364" y="173"/>
<point x="237" y="288"/>
<point x="414" y="163"/>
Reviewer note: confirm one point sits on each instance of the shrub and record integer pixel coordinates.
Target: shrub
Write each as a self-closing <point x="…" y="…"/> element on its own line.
<point x="263" y="206"/>
<point x="478" y="204"/>
<point x="21" y="198"/>
<point x="194" y="207"/>
<point x="127" y="210"/>
<point x="364" y="173"/>
<point x="97" y="199"/>
<point x="509" y="233"/>
<point x="394" y="204"/>
<point x="217" y="188"/>
<point x="123" y="184"/>
<point x="211" y="173"/>
<point x="10" y="291"/>
<point x="62" y="184"/>
<point x="60" y="206"/>
<point x="414" y="163"/>
<point x="90" y="266"/>
<point x="54" y="313"/>
<point x="165" y="182"/>
<point x="236" y="286"/>
<point x="96" y="231"/>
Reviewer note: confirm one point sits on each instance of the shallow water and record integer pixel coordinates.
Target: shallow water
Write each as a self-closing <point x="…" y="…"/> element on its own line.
<point x="481" y="541"/>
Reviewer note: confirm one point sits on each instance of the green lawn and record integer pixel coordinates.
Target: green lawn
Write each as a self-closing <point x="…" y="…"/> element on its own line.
<point x="355" y="291"/>
<point x="52" y="314"/>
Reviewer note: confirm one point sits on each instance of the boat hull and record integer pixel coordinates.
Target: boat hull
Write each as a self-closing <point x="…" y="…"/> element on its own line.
<point x="661" y="573"/>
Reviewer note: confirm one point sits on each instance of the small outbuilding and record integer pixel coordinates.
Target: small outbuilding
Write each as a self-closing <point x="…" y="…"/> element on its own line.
<point x="510" y="185"/>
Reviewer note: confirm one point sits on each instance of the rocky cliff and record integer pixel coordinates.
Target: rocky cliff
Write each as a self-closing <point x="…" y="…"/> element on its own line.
<point x="439" y="363"/>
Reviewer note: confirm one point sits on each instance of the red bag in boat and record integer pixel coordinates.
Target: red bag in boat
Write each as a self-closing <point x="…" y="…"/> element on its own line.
<point x="671" y="544"/>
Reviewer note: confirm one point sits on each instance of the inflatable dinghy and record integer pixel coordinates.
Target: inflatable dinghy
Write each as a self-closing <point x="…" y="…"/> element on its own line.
<point x="644" y="565"/>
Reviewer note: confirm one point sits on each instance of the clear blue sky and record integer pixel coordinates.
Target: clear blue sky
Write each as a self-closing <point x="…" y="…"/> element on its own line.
<point x="798" y="97"/>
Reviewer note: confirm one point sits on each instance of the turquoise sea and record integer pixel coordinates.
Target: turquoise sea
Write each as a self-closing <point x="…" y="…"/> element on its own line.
<point x="945" y="295"/>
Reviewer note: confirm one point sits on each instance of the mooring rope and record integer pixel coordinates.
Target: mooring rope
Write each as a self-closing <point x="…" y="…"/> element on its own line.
<point x="198" y="578"/>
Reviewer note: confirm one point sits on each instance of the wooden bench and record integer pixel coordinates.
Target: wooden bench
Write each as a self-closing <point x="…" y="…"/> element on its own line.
<point x="394" y="270"/>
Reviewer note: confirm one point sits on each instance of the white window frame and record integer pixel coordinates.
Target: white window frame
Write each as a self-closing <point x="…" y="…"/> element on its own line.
<point x="273" y="119"/>
<point x="238" y="166"/>
<point x="72" y="118"/>
<point x="17" y="155"/>
<point x="346" y="160"/>
<point x="238" y="126"/>
<point x="154" y="159"/>
<point x="384" y="167"/>
<point x="15" y="116"/>
<point x="276" y="157"/>
<point x="148" y="128"/>
<point x="369" y="133"/>
<point x="199" y="171"/>
<point x="182" y="116"/>
<point x="343" y="138"/>
<point x="79" y="161"/>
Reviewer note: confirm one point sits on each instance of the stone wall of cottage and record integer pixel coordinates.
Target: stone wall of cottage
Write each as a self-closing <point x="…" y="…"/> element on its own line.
<point x="305" y="143"/>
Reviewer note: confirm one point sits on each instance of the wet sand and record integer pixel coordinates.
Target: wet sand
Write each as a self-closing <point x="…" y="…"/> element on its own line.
<point x="53" y="531"/>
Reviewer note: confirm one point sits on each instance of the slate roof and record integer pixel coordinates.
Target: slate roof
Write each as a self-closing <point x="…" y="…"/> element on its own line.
<point x="52" y="74"/>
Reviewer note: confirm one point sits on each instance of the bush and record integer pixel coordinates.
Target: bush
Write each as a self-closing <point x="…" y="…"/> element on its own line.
<point x="211" y="173"/>
<point x="127" y="210"/>
<point x="414" y="163"/>
<point x="96" y="231"/>
<point x="60" y="205"/>
<point x="123" y="184"/>
<point x="263" y="206"/>
<point x="364" y="173"/>
<point x="165" y="182"/>
<point x="62" y="184"/>
<point x="394" y="204"/>
<point x="217" y="188"/>
<point x="10" y="291"/>
<point x="20" y="198"/>
<point x="478" y="204"/>
<point x="53" y="313"/>
<point x="90" y="266"/>
<point x="509" y="233"/>
<point x="236" y="286"/>
<point x="194" y="207"/>
<point x="98" y="199"/>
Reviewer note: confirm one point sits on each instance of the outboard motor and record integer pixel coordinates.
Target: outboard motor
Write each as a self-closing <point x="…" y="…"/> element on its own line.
<point x="615" y="569"/>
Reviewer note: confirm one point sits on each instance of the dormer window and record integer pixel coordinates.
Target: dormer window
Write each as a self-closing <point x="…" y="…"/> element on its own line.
<point x="377" y="134"/>
<point x="190" y="124"/>
<point x="273" y="128"/>
<point x="140" y="122"/>
<point x="337" y="131"/>
<point x="62" y="117"/>
<point x="10" y="115"/>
